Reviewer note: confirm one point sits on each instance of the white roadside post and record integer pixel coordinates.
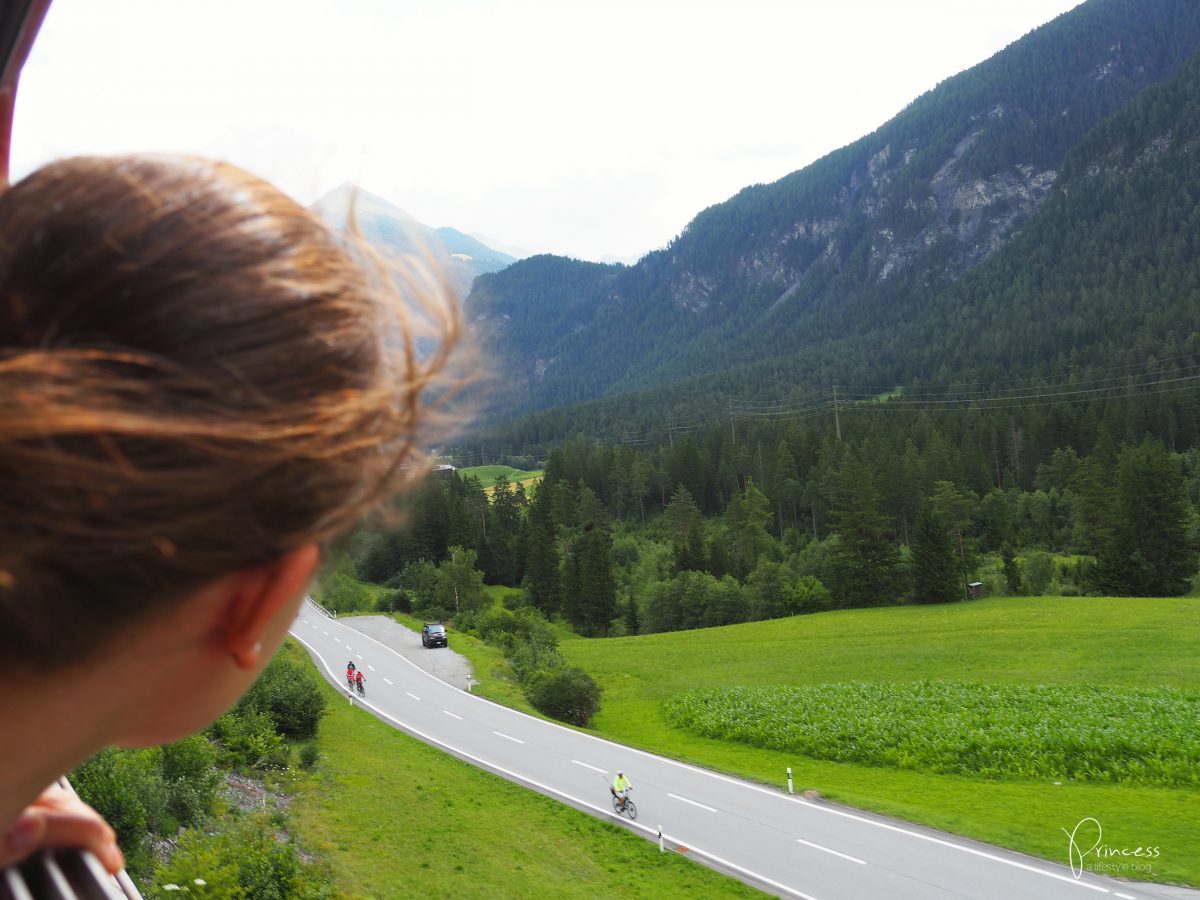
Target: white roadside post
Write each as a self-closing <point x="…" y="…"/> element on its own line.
<point x="661" y="848"/>
<point x="790" y="791"/>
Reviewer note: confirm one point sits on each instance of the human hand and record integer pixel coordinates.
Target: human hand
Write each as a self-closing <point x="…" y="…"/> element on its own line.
<point x="57" y="818"/>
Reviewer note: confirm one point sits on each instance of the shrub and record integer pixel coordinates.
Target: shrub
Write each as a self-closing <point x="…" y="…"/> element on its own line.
<point x="809" y="595"/>
<point x="249" y="739"/>
<point x="113" y="791"/>
<point x="187" y="767"/>
<point x="394" y="600"/>
<point x="341" y="593"/>
<point x="1038" y="572"/>
<point x="309" y="754"/>
<point x="569" y="695"/>
<point x="290" y="694"/>
<point x="245" y="859"/>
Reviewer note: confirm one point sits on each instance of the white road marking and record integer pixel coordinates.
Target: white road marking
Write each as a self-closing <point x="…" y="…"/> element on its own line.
<point x="411" y="694"/>
<point x="372" y="668"/>
<point x="452" y="715"/>
<point x="547" y="789"/>
<point x="693" y="802"/>
<point x="852" y="859"/>
<point x="508" y="737"/>
<point x="324" y="632"/>
<point x="389" y="681"/>
<point x="593" y="768"/>
<point x="1123" y="896"/>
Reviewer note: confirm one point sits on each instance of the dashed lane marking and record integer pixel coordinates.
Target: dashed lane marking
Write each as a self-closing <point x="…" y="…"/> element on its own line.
<point x="852" y="859"/>
<point x="693" y="802"/>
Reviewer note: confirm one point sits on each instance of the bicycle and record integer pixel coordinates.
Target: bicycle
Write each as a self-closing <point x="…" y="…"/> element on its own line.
<point x="629" y="808"/>
<point x="362" y="690"/>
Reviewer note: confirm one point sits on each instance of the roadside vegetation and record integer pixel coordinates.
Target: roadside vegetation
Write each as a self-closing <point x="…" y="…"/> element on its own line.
<point x="207" y="816"/>
<point x="396" y="818"/>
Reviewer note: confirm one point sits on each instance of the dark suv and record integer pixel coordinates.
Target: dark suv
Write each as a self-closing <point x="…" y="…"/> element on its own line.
<point x="433" y="635"/>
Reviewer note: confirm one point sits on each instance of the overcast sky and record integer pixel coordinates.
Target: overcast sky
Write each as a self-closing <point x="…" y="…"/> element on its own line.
<point x="582" y="128"/>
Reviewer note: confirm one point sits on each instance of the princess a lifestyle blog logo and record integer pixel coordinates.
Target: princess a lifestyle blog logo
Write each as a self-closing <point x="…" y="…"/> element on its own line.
<point x="1087" y="851"/>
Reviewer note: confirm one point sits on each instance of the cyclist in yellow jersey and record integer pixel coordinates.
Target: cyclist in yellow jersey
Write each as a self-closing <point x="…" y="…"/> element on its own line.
<point x="621" y="787"/>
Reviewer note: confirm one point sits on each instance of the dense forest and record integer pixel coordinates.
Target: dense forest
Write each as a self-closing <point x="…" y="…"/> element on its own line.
<point x="791" y="514"/>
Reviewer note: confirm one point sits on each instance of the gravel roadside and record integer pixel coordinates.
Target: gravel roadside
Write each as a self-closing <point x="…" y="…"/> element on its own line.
<point x="441" y="662"/>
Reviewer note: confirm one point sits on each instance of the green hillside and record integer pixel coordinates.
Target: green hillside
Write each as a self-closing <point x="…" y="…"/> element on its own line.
<point x="1010" y="222"/>
<point x="1053" y="641"/>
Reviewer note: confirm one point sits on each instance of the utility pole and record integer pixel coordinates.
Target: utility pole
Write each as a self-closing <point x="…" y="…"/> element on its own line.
<point x="732" y="431"/>
<point x="671" y="430"/>
<point x="837" y="422"/>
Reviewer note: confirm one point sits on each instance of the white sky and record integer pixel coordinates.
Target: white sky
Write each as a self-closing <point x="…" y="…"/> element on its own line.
<point x="587" y="129"/>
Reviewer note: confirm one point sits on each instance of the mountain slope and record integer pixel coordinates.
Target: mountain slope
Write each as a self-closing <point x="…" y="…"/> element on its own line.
<point x="858" y="242"/>
<point x="387" y="226"/>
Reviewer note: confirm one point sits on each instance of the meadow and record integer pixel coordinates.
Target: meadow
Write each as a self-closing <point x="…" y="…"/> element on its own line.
<point x="487" y="475"/>
<point x="1080" y="643"/>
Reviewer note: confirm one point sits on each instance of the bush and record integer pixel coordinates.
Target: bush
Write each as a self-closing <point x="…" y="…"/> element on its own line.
<point x="289" y="692"/>
<point x="249" y="739"/>
<point x="1038" y="572"/>
<point x="569" y="695"/>
<point x="338" y="592"/>
<point x="809" y="596"/>
<point x="113" y="790"/>
<point x="245" y="859"/>
<point x="309" y="754"/>
<point x="394" y="600"/>
<point x="187" y="768"/>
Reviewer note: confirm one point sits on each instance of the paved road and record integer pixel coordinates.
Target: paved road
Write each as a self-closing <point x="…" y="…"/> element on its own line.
<point x="785" y="845"/>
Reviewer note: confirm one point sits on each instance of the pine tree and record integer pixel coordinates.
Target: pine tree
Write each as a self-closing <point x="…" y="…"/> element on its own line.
<point x="542" y="576"/>
<point x="934" y="565"/>
<point x="1148" y="553"/>
<point x="864" y="560"/>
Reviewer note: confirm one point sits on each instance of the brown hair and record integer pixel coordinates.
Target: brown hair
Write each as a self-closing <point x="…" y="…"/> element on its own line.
<point x="196" y="375"/>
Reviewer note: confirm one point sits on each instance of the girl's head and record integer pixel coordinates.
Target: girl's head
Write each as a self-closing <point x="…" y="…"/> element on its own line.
<point x="196" y="378"/>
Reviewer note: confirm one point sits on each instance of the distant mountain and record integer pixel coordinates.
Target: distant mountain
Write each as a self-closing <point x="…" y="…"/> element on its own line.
<point x="388" y="226"/>
<point x="855" y="269"/>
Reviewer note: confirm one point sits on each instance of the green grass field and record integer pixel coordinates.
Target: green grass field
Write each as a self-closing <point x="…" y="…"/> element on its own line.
<point x="1019" y="641"/>
<point x="487" y="475"/>
<point x="396" y="818"/>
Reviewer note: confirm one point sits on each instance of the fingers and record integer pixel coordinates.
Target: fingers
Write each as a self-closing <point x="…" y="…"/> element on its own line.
<point x="68" y="822"/>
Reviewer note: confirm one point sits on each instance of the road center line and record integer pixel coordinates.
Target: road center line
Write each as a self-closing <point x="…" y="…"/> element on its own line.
<point x="693" y="802"/>
<point x="372" y="668"/>
<point x="324" y="632"/>
<point x="389" y="681"/>
<point x="852" y="859"/>
<point x="452" y="715"/>
<point x="1124" y="896"/>
<point x="593" y="768"/>
<point x="508" y="737"/>
<point x="411" y="694"/>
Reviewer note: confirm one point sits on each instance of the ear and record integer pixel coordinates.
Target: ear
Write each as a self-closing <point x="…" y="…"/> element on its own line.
<point x="258" y="596"/>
